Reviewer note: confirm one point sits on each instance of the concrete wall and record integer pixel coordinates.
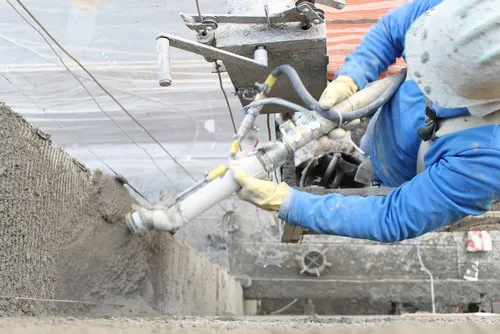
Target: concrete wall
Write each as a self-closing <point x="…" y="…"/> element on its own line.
<point x="64" y="247"/>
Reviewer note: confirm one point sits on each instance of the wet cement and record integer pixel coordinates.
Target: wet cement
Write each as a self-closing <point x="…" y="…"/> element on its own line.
<point x="62" y="233"/>
<point x="65" y="248"/>
<point x="263" y="325"/>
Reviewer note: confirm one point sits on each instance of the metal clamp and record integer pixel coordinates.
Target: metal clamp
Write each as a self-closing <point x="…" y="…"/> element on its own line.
<point x="207" y="22"/>
<point x="304" y="9"/>
<point x="312" y="14"/>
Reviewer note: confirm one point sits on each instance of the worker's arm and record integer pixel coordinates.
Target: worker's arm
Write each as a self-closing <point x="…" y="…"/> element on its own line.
<point x="447" y="191"/>
<point x="383" y="43"/>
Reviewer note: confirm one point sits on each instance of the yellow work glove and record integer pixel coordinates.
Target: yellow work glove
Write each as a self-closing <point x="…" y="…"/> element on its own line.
<point x="338" y="90"/>
<point x="266" y="195"/>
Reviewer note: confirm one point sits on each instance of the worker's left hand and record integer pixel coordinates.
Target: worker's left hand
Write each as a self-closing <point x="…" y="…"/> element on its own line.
<point x="337" y="91"/>
<point x="266" y="195"/>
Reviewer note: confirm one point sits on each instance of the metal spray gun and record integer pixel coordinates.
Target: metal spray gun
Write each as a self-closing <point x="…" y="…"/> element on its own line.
<point x="170" y="214"/>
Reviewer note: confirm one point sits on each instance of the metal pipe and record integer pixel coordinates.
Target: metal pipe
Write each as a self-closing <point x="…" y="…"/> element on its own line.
<point x="332" y="165"/>
<point x="162" y="216"/>
<point x="260" y="55"/>
<point x="164" y="72"/>
<point x="171" y="218"/>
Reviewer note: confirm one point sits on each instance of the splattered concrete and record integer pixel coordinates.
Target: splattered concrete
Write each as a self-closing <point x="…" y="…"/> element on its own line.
<point x="264" y="325"/>
<point x="64" y="247"/>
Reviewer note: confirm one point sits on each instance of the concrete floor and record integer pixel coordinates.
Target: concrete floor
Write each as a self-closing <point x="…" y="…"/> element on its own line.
<point x="477" y="324"/>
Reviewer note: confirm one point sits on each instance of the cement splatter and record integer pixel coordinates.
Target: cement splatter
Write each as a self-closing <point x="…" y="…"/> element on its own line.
<point x="65" y="249"/>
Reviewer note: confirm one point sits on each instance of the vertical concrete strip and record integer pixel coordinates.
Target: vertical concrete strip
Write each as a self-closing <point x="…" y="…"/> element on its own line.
<point x="64" y="248"/>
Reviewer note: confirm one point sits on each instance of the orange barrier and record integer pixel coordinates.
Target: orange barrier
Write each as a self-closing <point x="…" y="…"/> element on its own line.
<point x="346" y="28"/>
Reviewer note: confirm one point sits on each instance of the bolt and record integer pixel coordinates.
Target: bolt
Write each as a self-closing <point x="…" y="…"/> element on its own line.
<point x="316" y="21"/>
<point x="209" y="28"/>
<point x="305" y="10"/>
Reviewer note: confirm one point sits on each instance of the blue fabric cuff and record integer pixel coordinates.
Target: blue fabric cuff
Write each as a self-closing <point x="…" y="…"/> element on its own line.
<point x="285" y="207"/>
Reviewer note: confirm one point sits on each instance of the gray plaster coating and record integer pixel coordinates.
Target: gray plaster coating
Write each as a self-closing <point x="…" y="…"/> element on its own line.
<point x="442" y="324"/>
<point x="65" y="249"/>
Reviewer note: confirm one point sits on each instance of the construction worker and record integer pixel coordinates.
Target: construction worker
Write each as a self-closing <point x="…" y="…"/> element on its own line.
<point x="453" y="55"/>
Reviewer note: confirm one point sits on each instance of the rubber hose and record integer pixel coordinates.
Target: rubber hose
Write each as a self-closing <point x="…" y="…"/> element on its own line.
<point x="305" y="173"/>
<point x="330" y="169"/>
<point x="278" y="101"/>
<point x="297" y="85"/>
<point x="331" y="114"/>
<point x="372" y="107"/>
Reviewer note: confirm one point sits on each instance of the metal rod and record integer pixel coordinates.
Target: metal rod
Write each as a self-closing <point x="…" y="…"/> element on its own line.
<point x="198" y="10"/>
<point x="164" y="72"/>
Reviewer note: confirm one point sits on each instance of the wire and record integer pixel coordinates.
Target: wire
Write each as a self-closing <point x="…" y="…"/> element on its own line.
<point x="89" y="93"/>
<point x="217" y="68"/>
<point x="305" y="173"/>
<point x="424" y="268"/>
<point x="286" y="307"/>
<point x="67" y="131"/>
<point x="268" y="121"/>
<point x="61" y="301"/>
<point x="103" y="89"/>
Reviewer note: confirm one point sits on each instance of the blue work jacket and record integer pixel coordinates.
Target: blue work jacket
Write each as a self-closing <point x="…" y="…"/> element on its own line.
<point x="462" y="175"/>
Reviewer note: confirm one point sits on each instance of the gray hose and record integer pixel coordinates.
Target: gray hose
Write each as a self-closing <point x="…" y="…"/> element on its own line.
<point x="332" y="165"/>
<point x="277" y="101"/>
<point x="297" y="85"/>
<point x="372" y="107"/>
<point x="305" y="173"/>
<point x="331" y="114"/>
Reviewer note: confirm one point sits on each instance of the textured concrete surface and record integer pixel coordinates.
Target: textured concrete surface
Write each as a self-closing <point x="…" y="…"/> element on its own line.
<point x="440" y="324"/>
<point x="64" y="247"/>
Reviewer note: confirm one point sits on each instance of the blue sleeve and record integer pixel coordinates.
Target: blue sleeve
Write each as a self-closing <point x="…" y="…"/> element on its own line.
<point x="445" y="192"/>
<point x="383" y="43"/>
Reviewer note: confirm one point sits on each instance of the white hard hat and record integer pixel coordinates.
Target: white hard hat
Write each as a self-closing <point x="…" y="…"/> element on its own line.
<point x="453" y="54"/>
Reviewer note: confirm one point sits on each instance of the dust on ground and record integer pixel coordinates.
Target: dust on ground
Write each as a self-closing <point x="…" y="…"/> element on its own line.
<point x="263" y="325"/>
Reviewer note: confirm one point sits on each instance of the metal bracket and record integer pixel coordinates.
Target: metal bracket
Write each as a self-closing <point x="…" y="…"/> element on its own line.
<point x="303" y="9"/>
<point x="205" y="23"/>
<point x="337" y="4"/>
<point x="312" y="14"/>
<point x="211" y="52"/>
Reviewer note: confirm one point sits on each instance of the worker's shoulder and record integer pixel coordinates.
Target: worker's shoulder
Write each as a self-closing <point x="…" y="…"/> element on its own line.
<point x="427" y="3"/>
<point x="424" y="5"/>
<point x="476" y="142"/>
<point x="496" y="137"/>
<point x="482" y="139"/>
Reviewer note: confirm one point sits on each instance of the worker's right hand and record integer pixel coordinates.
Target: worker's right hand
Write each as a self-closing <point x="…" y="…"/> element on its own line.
<point x="338" y="90"/>
<point x="266" y="195"/>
